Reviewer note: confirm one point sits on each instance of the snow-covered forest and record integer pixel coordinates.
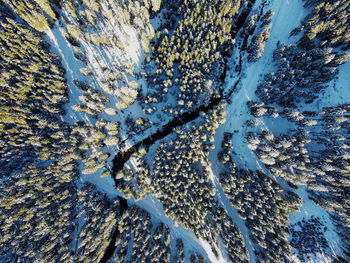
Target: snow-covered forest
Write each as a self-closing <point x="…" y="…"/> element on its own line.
<point x="175" y="131"/>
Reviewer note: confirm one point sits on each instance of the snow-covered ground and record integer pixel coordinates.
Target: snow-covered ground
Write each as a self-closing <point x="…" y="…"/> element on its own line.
<point x="288" y="15"/>
<point x="72" y="65"/>
<point x="239" y="223"/>
<point x="225" y="202"/>
<point x="64" y="49"/>
<point x="337" y="91"/>
<point x="191" y="243"/>
<point x="308" y="209"/>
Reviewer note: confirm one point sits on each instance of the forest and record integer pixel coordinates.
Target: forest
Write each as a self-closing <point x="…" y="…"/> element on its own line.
<point x="175" y="131"/>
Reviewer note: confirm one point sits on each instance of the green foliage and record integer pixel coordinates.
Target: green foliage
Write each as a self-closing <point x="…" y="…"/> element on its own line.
<point x="142" y="240"/>
<point x="37" y="13"/>
<point x="329" y="23"/>
<point x="257" y="45"/>
<point x="101" y="218"/>
<point x="35" y="92"/>
<point x="193" y="48"/>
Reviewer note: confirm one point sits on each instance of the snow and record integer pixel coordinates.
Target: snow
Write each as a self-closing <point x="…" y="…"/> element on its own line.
<point x="64" y="49"/>
<point x="210" y="253"/>
<point x="99" y="57"/>
<point x="336" y="91"/>
<point x="240" y="223"/>
<point x="191" y="243"/>
<point x="288" y="15"/>
<point x="308" y="209"/>
<point x="225" y="202"/>
<point x="104" y="57"/>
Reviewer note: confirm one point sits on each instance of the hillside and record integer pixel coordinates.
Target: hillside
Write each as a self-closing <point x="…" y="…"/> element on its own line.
<point x="175" y="131"/>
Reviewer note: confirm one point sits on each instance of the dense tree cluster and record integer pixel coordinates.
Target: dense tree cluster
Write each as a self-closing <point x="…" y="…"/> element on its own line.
<point x="41" y="210"/>
<point x="185" y="57"/>
<point x="302" y="74"/>
<point x="258" y="109"/>
<point x="316" y="155"/>
<point x="328" y="24"/>
<point x="100" y="217"/>
<point x="39" y="14"/>
<point x="260" y="201"/>
<point x="181" y="181"/>
<point x="258" y="42"/>
<point x="308" y="238"/>
<point x="38" y="210"/>
<point x="332" y="186"/>
<point x="180" y="253"/>
<point x="38" y="196"/>
<point x="180" y="178"/>
<point x="94" y="102"/>
<point x="48" y="215"/>
<point x="144" y="239"/>
<point x="38" y="192"/>
<point x="154" y="4"/>
<point x="294" y="156"/>
<point x="264" y="205"/>
<point x="90" y="144"/>
<point x="224" y="156"/>
<point x="285" y="156"/>
<point x="230" y="235"/>
<point x="197" y="258"/>
<point x="135" y="183"/>
<point x="305" y="68"/>
<point x="33" y="90"/>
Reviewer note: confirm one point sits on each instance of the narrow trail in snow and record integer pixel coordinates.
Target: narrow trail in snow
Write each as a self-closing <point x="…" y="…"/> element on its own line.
<point x="123" y="156"/>
<point x="244" y="47"/>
